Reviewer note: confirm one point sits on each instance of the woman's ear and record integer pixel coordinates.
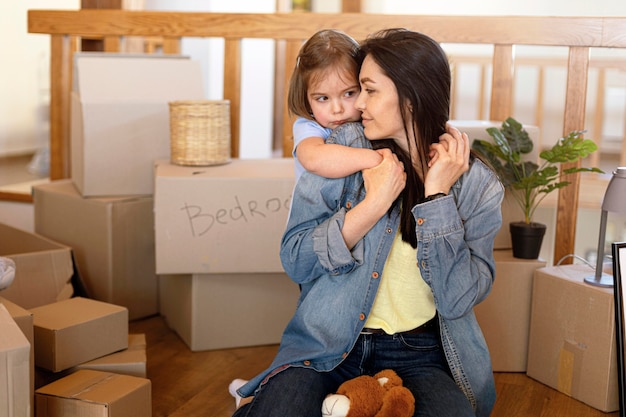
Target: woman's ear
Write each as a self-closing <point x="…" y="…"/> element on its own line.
<point x="408" y="109"/>
<point x="408" y="106"/>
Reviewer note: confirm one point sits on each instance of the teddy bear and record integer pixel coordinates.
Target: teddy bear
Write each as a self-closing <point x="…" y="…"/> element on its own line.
<point x="381" y="395"/>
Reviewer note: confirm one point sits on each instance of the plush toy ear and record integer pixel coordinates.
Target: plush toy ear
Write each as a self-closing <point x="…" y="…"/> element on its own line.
<point x="388" y="378"/>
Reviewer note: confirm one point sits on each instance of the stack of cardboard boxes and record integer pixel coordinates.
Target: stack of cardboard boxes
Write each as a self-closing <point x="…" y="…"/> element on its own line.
<point x="47" y="336"/>
<point x="218" y="232"/>
<point x="52" y="353"/>
<point x="90" y="266"/>
<point x="120" y="126"/>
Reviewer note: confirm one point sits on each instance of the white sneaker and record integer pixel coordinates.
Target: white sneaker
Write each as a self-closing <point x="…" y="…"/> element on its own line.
<point x="233" y="387"/>
<point x="7" y="272"/>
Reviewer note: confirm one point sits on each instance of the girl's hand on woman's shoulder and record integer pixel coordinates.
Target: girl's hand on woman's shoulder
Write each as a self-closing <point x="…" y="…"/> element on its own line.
<point x="449" y="160"/>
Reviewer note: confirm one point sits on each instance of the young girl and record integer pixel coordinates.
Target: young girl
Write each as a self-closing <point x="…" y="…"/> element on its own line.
<point x="322" y="92"/>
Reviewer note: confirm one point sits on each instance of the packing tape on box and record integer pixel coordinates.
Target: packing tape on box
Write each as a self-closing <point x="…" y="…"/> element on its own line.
<point x="570" y="360"/>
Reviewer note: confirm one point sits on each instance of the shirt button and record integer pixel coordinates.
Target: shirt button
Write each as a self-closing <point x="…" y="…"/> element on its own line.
<point x="423" y="264"/>
<point x="307" y="363"/>
<point x="348" y="205"/>
<point x="344" y="355"/>
<point x="361" y="316"/>
<point x="389" y="230"/>
<point x="375" y="275"/>
<point x="420" y="221"/>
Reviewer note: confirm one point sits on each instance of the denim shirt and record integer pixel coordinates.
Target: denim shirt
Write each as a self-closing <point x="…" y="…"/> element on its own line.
<point x="455" y="236"/>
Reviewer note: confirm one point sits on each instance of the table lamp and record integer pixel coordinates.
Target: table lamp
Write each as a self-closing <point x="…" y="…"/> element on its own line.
<point x="614" y="201"/>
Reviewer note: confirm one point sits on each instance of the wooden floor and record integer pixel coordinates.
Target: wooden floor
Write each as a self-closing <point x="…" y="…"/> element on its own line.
<point x="190" y="384"/>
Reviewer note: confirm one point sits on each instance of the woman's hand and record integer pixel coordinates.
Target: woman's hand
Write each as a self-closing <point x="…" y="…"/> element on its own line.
<point x="383" y="184"/>
<point x="449" y="159"/>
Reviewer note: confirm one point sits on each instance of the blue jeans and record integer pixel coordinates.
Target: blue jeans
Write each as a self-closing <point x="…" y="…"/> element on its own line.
<point x="417" y="358"/>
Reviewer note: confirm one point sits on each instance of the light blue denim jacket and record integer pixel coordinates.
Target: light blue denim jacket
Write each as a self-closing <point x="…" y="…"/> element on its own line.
<point x="455" y="236"/>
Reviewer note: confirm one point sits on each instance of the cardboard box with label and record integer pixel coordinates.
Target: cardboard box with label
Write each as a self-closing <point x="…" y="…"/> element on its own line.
<point x="43" y="268"/>
<point x="504" y="316"/>
<point x="88" y="393"/>
<point x="120" y="118"/>
<point x="112" y="239"/>
<point x="77" y="330"/>
<point x="24" y="320"/>
<point x="15" y="368"/>
<point x="217" y="311"/>
<point x="511" y="212"/>
<point x="221" y="219"/>
<point x="572" y="336"/>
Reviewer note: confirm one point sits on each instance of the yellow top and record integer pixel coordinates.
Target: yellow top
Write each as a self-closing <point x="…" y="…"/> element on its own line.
<point x="404" y="301"/>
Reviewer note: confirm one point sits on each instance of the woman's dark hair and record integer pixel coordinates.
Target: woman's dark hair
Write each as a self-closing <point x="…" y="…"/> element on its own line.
<point x="419" y="69"/>
<point x="325" y="50"/>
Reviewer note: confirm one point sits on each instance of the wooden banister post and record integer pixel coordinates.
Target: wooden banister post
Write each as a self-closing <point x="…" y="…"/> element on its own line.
<point x="61" y="51"/>
<point x="351" y="6"/>
<point x="502" y="82"/>
<point x="232" y="90"/>
<point x="574" y="119"/>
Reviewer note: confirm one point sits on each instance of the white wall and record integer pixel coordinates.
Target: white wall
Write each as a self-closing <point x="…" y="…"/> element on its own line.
<point x="24" y="78"/>
<point x="499" y="7"/>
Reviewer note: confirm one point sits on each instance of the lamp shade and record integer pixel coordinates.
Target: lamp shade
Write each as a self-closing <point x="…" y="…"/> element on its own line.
<point x="615" y="196"/>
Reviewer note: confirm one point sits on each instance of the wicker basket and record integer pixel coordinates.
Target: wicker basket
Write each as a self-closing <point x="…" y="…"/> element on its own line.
<point x="200" y="132"/>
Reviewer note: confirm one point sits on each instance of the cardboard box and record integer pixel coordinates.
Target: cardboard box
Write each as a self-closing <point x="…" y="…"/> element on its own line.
<point x="22" y="317"/>
<point x="130" y="361"/>
<point x="572" y="336"/>
<point x="43" y="268"/>
<point x="88" y="393"/>
<point x="216" y="311"/>
<point x="120" y="118"/>
<point x="511" y="212"/>
<point x="112" y="239"/>
<point x="77" y="330"/>
<point x="221" y="219"/>
<point x="24" y="320"/>
<point x="504" y="316"/>
<point x="15" y="369"/>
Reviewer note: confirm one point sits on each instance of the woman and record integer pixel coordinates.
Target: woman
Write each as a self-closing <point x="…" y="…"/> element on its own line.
<point x="392" y="261"/>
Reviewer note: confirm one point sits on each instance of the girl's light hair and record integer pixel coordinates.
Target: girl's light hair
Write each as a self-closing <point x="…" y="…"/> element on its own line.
<point x="327" y="50"/>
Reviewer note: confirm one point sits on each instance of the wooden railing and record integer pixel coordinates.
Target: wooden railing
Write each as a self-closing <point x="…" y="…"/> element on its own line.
<point x="606" y="74"/>
<point x="577" y="34"/>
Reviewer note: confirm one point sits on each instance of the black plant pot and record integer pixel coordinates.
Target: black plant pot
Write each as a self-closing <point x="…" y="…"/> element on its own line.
<point x="526" y="239"/>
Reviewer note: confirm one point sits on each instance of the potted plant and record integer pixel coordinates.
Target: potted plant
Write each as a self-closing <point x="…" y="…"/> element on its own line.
<point x="528" y="182"/>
